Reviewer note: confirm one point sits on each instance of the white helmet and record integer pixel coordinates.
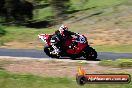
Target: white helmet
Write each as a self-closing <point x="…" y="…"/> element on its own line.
<point x="63" y="28"/>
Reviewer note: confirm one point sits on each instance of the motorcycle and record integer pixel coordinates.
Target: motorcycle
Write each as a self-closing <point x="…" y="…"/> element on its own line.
<point x="79" y="47"/>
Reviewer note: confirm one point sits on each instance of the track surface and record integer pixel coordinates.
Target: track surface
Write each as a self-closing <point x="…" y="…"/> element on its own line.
<point x="40" y="54"/>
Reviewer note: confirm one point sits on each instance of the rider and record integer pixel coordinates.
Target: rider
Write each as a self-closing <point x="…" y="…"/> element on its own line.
<point x="61" y="35"/>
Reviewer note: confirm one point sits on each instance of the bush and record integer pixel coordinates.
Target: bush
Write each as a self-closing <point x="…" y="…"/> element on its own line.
<point x="2" y="31"/>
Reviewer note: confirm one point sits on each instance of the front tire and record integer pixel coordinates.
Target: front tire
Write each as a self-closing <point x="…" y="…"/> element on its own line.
<point x="90" y="53"/>
<point x="47" y="50"/>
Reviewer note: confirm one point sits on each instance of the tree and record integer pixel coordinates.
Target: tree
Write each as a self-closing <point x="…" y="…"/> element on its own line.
<point x="2" y="2"/>
<point x="22" y="11"/>
<point x="17" y="10"/>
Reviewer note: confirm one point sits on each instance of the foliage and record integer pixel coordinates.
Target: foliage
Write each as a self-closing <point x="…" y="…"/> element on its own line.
<point x="18" y="10"/>
<point x="2" y="31"/>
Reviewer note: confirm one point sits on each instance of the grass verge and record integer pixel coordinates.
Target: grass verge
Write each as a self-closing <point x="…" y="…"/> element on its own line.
<point x="94" y="3"/>
<point x="9" y="80"/>
<point x="23" y="34"/>
<point x="121" y="63"/>
<point x="114" y="48"/>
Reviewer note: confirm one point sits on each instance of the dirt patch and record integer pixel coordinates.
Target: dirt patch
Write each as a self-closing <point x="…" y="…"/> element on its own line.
<point x="57" y="68"/>
<point x="109" y="36"/>
<point x="23" y="45"/>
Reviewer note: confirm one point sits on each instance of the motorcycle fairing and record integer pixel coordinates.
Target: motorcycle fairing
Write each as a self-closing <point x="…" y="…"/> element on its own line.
<point x="76" y="49"/>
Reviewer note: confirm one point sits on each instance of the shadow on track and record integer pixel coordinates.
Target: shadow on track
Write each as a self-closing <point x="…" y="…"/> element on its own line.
<point x="78" y="59"/>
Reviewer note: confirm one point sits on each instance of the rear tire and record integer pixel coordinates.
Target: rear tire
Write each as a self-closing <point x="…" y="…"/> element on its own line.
<point x="47" y="50"/>
<point x="90" y="53"/>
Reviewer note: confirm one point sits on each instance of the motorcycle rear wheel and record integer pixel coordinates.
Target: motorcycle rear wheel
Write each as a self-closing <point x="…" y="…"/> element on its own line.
<point x="47" y="50"/>
<point x="90" y="53"/>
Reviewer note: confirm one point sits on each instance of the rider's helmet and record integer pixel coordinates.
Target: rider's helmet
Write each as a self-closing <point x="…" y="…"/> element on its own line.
<point x="62" y="29"/>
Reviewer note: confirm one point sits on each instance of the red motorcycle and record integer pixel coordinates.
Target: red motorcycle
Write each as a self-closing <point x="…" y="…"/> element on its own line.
<point x="79" y="47"/>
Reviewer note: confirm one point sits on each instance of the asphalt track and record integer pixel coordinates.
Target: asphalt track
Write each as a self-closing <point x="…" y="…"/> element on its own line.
<point x="41" y="55"/>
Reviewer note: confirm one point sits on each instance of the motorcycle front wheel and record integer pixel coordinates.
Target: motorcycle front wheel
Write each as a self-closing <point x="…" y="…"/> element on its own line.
<point x="48" y="49"/>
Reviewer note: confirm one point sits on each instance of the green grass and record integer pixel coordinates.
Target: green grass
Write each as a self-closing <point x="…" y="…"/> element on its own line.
<point x="9" y="80"/>
<point x="2" y="31"/>
<point x="23" y="34"/>
<point x="43" y="14"/>
<point x="79" y="4"/>
<point x="121" y="63"/>
<point x="114" y="48"/>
